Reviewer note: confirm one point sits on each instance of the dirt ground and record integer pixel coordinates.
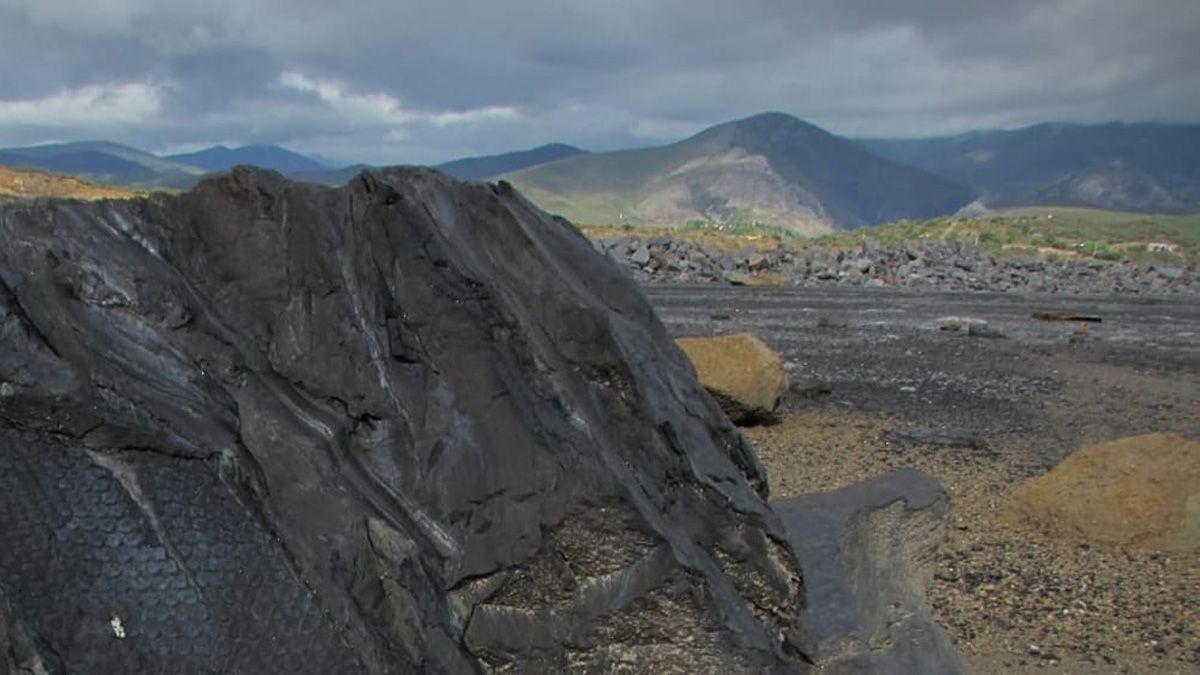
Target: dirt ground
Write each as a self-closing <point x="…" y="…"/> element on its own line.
<point x="868" y="366"/>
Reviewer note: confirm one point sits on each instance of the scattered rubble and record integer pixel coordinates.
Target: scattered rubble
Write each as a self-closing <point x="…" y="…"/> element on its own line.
<point x="942" y="265"/>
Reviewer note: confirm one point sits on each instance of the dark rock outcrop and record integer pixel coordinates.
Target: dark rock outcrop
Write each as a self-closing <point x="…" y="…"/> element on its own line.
<point x="868" y="553"/>
<point x="406" y="425"/>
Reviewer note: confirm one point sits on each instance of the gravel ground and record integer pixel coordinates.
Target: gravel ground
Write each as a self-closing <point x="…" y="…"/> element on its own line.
<point x="869" y="366"/>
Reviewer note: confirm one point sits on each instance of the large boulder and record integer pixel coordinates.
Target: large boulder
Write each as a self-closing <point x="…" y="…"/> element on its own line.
<point x="869" y="553"/>
<point x="406" y="425"/>
<point x="744" y="374"/>
<point x="1141" y="491"/>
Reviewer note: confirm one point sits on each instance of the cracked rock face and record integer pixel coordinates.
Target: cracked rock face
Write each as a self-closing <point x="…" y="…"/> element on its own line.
<point x="407" y="425"/>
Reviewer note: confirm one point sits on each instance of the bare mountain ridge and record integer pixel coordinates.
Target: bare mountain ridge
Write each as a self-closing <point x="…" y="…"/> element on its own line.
<point x="1138" y="167"/>
<point x="770" y="168"/>
<point x="221" y="158"/>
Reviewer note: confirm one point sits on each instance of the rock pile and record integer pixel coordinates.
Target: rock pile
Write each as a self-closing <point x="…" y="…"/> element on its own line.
<point x="943" y="265"/>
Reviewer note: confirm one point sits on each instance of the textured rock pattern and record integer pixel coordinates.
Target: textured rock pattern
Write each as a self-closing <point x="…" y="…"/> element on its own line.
<point x="870" y="552"/>
<point x="406" y="425"/>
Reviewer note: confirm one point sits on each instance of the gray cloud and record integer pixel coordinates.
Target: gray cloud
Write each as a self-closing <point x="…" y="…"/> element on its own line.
<point x="408" y="81"/>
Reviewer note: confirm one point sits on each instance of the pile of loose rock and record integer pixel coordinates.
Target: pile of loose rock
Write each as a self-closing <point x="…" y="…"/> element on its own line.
<point x="942" y="265"/>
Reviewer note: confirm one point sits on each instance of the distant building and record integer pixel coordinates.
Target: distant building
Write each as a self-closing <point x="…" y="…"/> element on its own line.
<point x="1161" y="247"/>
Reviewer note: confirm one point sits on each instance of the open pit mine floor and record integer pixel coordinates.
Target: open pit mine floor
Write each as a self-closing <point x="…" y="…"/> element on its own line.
<point x="975" y="390"/>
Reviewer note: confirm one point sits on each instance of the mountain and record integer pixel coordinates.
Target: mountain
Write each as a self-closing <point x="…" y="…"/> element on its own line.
<point x="770" y="168"/>
<point x="1146" y="167"/>
<point x="475" y="168"/>
<point x="468" y="168"/>
<point x="220" y="158"/>
<point x="101" y="161"/>
<point x="331" y="177"/>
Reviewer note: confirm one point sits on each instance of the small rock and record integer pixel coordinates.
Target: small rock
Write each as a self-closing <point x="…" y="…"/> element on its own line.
<point x="742" y="373"/>
<point x="960" y="438"/>
<point x="736" y="278"/>
<point x="810" y="389"/>
<point x="641" y="256"/>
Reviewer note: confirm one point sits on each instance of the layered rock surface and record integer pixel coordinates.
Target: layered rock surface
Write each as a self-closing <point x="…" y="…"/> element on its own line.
<point x="407" y="425"/>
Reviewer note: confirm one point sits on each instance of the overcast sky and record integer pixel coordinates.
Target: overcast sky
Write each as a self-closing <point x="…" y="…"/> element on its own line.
<point x="399" y="81"/>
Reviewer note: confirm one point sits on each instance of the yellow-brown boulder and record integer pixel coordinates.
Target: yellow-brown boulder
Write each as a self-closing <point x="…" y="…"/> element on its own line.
<point x="1142" y="491"/>
<point x="742" y="373"/>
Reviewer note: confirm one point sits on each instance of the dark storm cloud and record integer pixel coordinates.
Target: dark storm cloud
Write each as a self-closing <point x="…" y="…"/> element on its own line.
<point x="383" y="81"/>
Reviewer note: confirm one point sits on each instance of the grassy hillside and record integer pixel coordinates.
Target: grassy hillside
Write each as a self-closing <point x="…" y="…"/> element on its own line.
<point x="30" y="183"/>
<point x="1040" y="231"/>
<point x="1051" y="231"/>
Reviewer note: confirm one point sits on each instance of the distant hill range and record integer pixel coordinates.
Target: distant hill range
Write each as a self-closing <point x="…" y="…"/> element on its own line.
<point x="476" y="168"/>
<point x="1132" y="167"/>
<point x="220" y="158"/>
<point x="467" y="168"/>
<point x="116" y="164"/>
<point x="770" y="168"/>
<point x="103" y="162"/>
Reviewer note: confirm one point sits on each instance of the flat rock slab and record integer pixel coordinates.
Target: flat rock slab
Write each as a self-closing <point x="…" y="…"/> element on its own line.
<point x="1066" y="315"/>
<point x="947" y="437"/>
<point x="868" y="551"/>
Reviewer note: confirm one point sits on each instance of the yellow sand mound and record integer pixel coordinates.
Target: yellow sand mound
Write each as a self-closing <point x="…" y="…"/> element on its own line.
<point x="1142" y="491"/>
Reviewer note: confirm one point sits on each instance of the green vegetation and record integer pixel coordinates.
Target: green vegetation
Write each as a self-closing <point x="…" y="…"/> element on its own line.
<point x="742" y="229"/>
<point x="1065" y="232"/>
<point x="1051" y="232"/>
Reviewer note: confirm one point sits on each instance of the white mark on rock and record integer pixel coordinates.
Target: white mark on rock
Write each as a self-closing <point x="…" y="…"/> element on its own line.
<point x="6" y="389"/>
<point x="118" y="628"/>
